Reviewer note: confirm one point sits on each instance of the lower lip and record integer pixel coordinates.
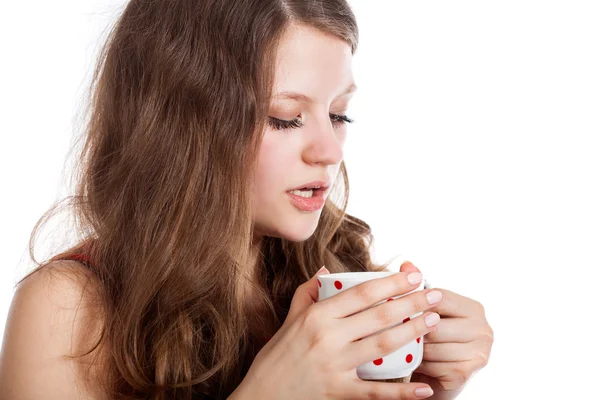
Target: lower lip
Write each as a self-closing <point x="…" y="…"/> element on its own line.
<point x="314" y="203"/>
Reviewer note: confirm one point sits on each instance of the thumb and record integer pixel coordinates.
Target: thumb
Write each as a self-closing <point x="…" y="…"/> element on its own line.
<point x="306" y="294"/>
<point x="407" y="266"/>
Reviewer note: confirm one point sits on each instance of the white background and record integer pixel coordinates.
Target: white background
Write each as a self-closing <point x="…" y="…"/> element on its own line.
<point x="475" y="154"/>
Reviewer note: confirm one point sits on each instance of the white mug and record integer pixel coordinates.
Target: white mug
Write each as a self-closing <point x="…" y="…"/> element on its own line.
<point x="398" y="364"/>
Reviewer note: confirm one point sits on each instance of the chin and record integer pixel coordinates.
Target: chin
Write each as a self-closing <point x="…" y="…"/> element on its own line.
<point x="298" y="237"/>
<point x="294" y="230"/>
<point x="301" y="229"/>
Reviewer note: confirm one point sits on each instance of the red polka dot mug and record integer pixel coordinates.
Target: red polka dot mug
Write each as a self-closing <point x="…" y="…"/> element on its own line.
<point x="400" y="363"/>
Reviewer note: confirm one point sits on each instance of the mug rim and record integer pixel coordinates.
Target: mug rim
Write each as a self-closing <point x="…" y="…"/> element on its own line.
<point x="357" y="274"/>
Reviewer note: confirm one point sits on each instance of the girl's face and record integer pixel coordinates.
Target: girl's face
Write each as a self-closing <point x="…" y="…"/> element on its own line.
<point x="317" y="66"/>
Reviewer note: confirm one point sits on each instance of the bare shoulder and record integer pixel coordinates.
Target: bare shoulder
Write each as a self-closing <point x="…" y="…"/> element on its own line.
<point x="54" y="314"/>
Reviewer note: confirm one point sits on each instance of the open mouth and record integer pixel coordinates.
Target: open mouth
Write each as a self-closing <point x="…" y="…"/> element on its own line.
<point x="308" y="192"/>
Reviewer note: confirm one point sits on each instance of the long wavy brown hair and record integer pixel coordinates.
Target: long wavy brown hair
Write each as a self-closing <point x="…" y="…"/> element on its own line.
<point x="175" y="115"/>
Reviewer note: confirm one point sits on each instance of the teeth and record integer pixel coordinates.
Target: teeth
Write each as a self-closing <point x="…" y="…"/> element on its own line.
<point x="303" y="193"/>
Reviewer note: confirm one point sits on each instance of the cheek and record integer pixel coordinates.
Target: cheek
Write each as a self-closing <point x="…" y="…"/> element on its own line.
<point x="342" y="137"/>
<point x="273" y="168"/>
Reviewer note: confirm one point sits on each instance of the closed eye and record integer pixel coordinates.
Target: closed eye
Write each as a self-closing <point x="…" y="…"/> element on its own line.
<point x="280" y="124"/>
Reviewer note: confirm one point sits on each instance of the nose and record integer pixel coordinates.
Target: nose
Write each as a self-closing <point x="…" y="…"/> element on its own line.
<point x="325" y="144"/>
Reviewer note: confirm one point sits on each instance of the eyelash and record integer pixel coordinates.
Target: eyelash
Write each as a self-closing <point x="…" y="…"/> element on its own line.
<point x="280" y="124"/>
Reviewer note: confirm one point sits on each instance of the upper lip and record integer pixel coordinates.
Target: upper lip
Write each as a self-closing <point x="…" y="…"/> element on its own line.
<point x="320" y="184"/>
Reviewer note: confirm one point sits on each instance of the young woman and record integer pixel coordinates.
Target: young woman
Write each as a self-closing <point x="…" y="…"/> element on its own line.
<point x="205" y="206"/>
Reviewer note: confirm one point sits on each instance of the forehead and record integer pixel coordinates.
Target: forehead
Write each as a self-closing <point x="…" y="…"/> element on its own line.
<point x="312" y="65"/>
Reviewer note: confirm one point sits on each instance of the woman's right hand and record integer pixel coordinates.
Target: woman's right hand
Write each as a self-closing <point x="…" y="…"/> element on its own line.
<point x="315" y="353"/>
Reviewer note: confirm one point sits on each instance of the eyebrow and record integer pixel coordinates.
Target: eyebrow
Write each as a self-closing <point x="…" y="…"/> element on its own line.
<point x="302" y="97"/>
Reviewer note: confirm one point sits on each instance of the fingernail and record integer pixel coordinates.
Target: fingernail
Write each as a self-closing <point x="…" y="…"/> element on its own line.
<point x="414" y="278"/>
<point x="423" y="392"/>
<point x="322" y="271"/>
<point x="434" y="296"/>
<point x="432" y="319"/>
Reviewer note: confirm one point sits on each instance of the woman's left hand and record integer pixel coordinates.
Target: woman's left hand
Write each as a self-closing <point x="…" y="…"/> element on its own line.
<point x="458" y="348"/>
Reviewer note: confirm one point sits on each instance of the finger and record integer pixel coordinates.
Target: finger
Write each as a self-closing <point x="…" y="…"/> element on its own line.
<point x="381" y="344"/>
<point x="407" y="266"/>
<point x="449" y="352"/>
<point x="450" y="370"/>
<point x="460" y="330"/>
<point x="385" y="315"/>
<point x="455" y="305"/>
<point x="365" y="295"/>
<point x="361" y="390"/>
<point x="305" y="295"/>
